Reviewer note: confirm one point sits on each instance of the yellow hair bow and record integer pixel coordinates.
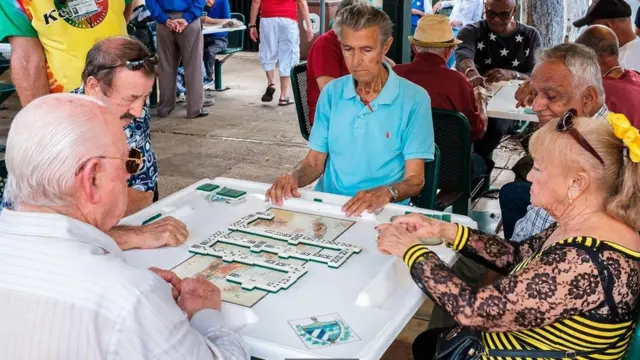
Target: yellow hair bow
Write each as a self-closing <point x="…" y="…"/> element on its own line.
<point x="629" y="135"/>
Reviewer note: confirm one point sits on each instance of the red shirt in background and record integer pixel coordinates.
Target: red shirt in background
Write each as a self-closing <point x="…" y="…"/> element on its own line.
<point x="448" y="89"/>
<point x="279" y="8"/>
<point x="623" y="94"/>
<point x="324" y="59"/>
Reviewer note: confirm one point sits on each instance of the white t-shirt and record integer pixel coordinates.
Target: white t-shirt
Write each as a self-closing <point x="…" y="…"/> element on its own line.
<point x="630" y="55"/>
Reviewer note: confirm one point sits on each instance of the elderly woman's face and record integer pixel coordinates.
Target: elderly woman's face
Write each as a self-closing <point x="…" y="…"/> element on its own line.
<point x="363" y="52"/>
<point x="548" y="186"/>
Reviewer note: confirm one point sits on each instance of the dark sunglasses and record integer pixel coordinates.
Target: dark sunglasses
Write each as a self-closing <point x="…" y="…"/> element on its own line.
<point x="133" y="163"/>
<point x="566" y="125"/>
<point x="136" y="64"/>
<point x="490" y="14"/>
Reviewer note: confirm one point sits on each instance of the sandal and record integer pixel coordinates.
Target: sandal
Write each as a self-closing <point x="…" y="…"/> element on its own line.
<point x="268" y="94"/>
<point x="285" y="102"/>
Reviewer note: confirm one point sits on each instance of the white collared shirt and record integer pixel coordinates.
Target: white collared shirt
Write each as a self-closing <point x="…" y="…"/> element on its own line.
<point x="630" y="55"/>
<point x="67" y="293"/>
<point x="467" y="11"/>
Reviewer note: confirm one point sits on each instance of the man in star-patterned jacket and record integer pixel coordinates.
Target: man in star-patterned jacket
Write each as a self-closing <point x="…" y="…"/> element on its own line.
<point x="495" y="49"/>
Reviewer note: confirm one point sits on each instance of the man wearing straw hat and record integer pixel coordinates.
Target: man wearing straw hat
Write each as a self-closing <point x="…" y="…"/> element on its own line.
<point x="433" y="44"/>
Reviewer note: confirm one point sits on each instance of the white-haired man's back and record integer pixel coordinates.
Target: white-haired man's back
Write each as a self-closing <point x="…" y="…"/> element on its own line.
<point x="65" y="289"/>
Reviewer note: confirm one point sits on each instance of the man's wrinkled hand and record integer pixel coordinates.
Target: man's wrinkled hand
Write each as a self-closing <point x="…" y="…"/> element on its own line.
<point x="285" y="187"/>
<point x="171" y="278"/>
<point x="525" y="95"/>
<point x="198" y="294"/>
<point x="367" y="200"/>
<point x="168" y="231"/>
<point x="476" y="79"/>
<point x="497" y="75"/>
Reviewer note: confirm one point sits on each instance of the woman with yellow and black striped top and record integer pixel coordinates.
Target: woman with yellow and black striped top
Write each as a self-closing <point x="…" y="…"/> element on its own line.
<point x="573" y="288"/>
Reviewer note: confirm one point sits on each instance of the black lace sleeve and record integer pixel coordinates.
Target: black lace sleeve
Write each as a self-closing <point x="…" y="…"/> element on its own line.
<point x="560" y="283"/>
<point x="494" y="252"/>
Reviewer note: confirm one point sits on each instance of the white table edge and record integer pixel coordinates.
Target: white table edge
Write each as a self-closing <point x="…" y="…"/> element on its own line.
<point x="384" y="338"/>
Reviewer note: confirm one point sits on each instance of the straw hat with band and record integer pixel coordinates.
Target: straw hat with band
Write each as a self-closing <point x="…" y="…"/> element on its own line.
<point x="434" y="31"/>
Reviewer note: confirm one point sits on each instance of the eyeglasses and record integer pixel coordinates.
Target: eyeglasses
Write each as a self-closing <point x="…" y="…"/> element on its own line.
<point x="133" y="163"/>
<point x="566" y="125"/>
<point x="136" y="64"/>
<point x="506" y="15"/>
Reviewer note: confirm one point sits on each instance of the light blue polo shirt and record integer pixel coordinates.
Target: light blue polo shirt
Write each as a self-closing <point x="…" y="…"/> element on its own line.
<point x="368" y="149"/>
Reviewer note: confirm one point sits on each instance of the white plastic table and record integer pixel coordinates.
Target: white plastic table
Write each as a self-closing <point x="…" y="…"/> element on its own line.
<point x="212" y="29"/>
<point x="502" y="104"/>
<point x="372" y="292"/>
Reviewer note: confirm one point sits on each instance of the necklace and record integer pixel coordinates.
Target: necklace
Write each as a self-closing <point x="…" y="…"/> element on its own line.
<point x="612" y="69"/>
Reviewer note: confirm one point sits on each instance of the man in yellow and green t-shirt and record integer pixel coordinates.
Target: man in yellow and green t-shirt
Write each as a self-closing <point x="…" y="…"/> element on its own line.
<point x="50" y="40"/>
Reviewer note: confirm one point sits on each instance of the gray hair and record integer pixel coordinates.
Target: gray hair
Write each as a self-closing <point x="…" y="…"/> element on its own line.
<point x="600" y="39"/>
<point x="361" y="16"/>
<point x="346" y="3"/>
<point x="48" y="141"/>
<point x="437" y="51"/>
<point x="581" y="61"/>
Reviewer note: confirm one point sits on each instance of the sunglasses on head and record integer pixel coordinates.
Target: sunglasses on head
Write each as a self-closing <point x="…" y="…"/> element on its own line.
<point x="136" y="64"/>
<point x="133" y="163"/>
<point x="506" y="15"/>
<point x="566" y="125"/>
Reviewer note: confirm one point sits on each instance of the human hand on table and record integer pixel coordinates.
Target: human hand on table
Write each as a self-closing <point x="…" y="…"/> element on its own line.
<point x="497" y="75"/>
<point x="368" y="200"/>
<point x="525" y="95"/>
<point x="421" y="226"/>
<point x="171" y="278"/>
<point x="395" y="239"/>
<point x="285" y="187"/>
<point x="253" y="34"/>
<point x="198" y="294"/>
<point x="475" y="79"/>
<point x="164" y="232"/>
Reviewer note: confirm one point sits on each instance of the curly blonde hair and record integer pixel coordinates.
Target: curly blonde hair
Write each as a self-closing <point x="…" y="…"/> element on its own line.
<point x="619" y="179"/>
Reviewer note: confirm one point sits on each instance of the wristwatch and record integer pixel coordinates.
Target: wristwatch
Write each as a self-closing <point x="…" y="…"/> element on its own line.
<point x="394" y="192"/>
<point x="252" y="26"/>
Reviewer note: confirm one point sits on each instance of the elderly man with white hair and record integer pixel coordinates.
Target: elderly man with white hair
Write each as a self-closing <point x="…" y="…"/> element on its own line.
<point x="566" y="76"/>
<point x="66" y="291"/>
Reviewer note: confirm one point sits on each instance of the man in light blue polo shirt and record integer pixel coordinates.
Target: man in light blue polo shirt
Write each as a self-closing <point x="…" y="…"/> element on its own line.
<point x="373" y="130"/>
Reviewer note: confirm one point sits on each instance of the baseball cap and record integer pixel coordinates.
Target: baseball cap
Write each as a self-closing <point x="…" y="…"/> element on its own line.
<point x="604" y="9"/>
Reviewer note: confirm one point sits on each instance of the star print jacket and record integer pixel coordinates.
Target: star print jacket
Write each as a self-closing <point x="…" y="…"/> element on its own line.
<point x="493" y="51"/>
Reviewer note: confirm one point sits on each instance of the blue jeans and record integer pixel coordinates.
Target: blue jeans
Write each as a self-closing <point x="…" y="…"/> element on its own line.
<point x="515" y="197"/>
<point x="451" y="63"/>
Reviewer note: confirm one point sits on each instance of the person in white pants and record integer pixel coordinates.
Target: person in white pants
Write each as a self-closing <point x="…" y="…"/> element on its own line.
<point x="279" y="41"/>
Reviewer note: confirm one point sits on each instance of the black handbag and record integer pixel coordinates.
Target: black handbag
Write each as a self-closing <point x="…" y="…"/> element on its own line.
<point x="462" y="343"/>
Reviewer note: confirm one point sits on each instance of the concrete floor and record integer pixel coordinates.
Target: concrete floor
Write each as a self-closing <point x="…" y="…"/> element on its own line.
<point x="246" y="139"/>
